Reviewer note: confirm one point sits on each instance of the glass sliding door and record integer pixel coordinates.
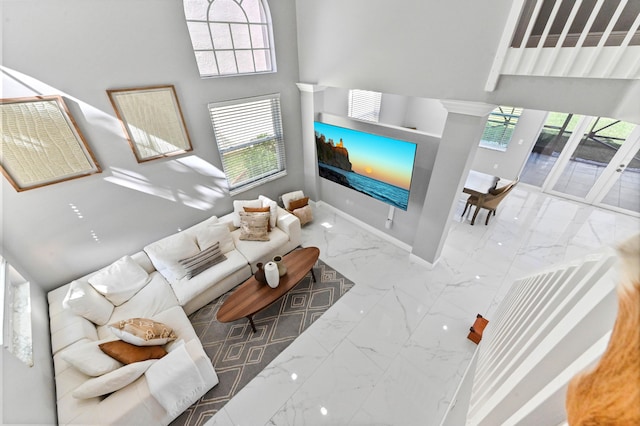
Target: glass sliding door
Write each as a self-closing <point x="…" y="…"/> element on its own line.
<point x="555" y="133"/>
<point x="599" y="144"/>
<point x="595" y="160"/>
<point x="625" y="191"/>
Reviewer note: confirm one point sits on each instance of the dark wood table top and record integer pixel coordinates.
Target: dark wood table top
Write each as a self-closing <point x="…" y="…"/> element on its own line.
<point x="252" y="296"/>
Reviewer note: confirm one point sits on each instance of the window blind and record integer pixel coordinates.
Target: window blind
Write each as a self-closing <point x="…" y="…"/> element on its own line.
<point x="500" y="126"/>
<point x="248" y="133"/>
<point x="364" y="105"/>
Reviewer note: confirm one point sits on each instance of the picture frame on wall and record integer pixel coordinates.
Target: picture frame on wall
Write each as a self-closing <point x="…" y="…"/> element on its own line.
<point x="41" y="143"/>
<point x="152" y="121"/>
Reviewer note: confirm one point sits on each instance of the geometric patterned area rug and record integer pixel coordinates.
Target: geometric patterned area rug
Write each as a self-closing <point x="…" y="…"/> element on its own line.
<point x="238" y="354"/>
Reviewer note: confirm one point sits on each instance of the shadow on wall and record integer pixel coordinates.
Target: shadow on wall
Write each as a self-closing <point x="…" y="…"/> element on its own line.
<point x="64" y="230"/>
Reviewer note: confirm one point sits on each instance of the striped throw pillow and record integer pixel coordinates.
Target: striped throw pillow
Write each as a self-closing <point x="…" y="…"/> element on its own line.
<point x="198" y="263"/>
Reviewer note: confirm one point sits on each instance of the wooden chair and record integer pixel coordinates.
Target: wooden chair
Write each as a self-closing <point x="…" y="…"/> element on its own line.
<point x="489" y="202"/>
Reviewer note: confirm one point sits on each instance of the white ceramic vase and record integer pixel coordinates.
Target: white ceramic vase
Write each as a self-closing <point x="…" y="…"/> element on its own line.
<point x="272" y="275"/>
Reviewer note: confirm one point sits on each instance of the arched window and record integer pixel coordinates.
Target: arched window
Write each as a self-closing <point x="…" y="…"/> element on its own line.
<point x="231" y="36"/>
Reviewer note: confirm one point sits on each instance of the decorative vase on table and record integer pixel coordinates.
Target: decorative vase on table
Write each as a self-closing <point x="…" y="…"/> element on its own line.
<point x="259" y="275"/>
<point x="271" y="274"/>
<point x="282" y="269"/>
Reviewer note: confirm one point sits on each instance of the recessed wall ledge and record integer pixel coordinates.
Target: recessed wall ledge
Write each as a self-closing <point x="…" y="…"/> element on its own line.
<point x="478" y="109"/>
<point x="310" y="87"/>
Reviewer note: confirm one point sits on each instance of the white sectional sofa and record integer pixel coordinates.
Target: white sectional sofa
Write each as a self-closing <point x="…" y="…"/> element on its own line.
<point x="80" y="319"/>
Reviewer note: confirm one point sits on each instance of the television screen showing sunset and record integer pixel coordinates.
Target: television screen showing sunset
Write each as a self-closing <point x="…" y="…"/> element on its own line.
<point x="376" y="165"/>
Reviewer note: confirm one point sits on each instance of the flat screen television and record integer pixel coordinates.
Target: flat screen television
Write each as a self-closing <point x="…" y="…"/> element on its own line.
<point x="378" y="166"/>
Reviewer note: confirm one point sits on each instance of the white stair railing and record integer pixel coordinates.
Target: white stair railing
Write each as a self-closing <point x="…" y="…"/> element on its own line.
<point x="599" y="50"/>
<point x="549" y="327"/>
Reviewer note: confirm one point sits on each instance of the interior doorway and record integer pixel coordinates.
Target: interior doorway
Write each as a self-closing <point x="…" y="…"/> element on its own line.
<point x="595" y="160"/>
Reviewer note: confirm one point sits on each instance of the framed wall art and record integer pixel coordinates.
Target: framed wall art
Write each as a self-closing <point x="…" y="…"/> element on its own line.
<point x="152" y="121"/>
<point x="41" y="143"/>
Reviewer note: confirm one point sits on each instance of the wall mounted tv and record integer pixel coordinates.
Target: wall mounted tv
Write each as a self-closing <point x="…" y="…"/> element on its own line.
<point x="378" y="166"/>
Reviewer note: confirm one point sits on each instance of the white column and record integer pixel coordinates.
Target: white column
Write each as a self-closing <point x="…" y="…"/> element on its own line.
<point x="462" y="132"/>
<point x="311" y="98"/>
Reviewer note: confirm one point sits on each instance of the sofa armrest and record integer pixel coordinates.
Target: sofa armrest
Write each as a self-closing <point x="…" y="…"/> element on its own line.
<point x="290" y="225"/>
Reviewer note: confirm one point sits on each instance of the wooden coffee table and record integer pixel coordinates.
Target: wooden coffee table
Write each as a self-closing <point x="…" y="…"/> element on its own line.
<point x="252" y="296"/>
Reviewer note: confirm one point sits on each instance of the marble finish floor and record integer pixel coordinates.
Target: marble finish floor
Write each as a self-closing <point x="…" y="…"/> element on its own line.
<point x="393" y="350"/>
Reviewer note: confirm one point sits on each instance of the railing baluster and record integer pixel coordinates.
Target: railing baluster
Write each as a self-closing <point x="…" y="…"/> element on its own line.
<point x="583" y="36"/>
<point x="625" y="43"/>
<point x="543" y="38"/>
<point x="527" y="34"/>
<point x="554" y="54"/>
<point x="596" y="53"/>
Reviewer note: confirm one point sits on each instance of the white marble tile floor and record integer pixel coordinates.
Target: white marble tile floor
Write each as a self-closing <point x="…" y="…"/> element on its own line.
<point x="393" y="350"/>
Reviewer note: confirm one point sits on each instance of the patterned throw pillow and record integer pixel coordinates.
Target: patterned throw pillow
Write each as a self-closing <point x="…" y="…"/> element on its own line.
<point x="127" y="353"/>
<point x="304" y="214"/>
<point x="253" y="226"/>
<point x="202" y="261"/>
<point x="266" y="209"/>
<point x="143" y="332"/>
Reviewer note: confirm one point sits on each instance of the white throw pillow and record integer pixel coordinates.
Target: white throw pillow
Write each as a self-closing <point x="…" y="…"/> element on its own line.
<point x="119" y="281"/>
<point x="85" y="301"/>
<point x="111" y="382"/>
<point x="89" y="359"/>
<point x="216" y="233"/>
<point x="167" y="252"/>
<point x="273" y="206"/>
<point x="239" y="205"/>
<point x="289" y="196"/>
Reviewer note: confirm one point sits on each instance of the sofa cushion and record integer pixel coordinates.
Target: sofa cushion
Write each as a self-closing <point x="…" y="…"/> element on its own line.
<point x="196" y="229"/>
<point x="112" y="381"/>
<point x="82" y="299"/>
<point x="238" y="207"/>
<point x="119" y="281"/>
<point x="187" y="289"/>
<point x="202" y="261"/>
<point x="254" y="251"/>
<point x="254" y="226"/>
<point x="143" y="331"/>
<point x="126" y="353"/>
<point x="87" y="357"/>
<point x="273" y="209"/>
<point x="216" y="233"/>
<point x="166" y="253"/>
<point x="157" y="296"/>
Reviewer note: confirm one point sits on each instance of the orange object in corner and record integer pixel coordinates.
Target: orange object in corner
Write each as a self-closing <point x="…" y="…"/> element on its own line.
<point x="475" y="334"/>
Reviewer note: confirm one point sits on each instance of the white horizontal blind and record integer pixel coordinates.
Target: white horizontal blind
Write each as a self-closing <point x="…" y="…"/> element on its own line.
<point x="364" y="105"/>
<point x="250" y="140"/>
<point x="547" y="329"/>
<point x="500" y="126"/>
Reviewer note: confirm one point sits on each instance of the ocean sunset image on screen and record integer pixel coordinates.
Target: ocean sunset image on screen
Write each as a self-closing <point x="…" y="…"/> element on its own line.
<point x="378" y="166"/>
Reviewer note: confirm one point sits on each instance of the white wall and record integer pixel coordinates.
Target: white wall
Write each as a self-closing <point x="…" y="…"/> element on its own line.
<point x="439" y="50"/>
<point x="81" y="48"/>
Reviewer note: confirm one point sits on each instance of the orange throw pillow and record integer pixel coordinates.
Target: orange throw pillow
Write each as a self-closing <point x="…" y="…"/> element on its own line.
<point x="127" y="353"/>
<point x="296" y="204"/>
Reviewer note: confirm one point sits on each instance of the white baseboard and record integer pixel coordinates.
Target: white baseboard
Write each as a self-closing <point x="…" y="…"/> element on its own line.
<point x="368" y="227"/>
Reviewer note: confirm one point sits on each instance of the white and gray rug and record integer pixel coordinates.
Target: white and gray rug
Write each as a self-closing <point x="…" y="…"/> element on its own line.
<point x="238" y="354"/>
